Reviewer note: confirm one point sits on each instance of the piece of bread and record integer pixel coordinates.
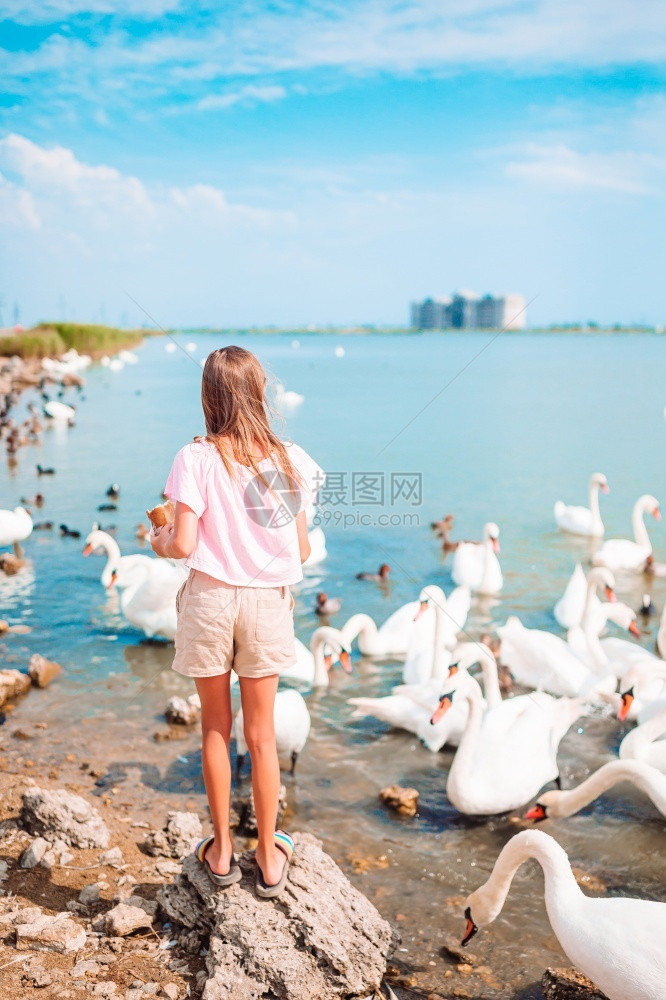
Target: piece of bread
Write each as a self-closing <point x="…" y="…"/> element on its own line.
<point x="163" y="514"/>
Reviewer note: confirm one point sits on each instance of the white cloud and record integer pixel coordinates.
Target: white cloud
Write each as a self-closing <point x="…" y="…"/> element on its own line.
<point x="246" y="95"/>
<point x="562" y="167"/>
<point x="17" y="206"/>
<point x="46" y="11"/>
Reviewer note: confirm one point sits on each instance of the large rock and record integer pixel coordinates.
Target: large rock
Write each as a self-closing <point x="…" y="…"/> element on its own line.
<point x="46" y="933"/>
<point x="569" y="984"/>
<point x="180" y="712"/>
<point x="60" y="815"/>
<point x="182" y="831"/>
<point x="13" y="684"/>
<point x="321" y="938"/>
<point x="124" y="919"/>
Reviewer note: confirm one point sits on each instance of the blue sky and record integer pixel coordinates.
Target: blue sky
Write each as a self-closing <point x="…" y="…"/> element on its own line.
<point x="315" y="162"/>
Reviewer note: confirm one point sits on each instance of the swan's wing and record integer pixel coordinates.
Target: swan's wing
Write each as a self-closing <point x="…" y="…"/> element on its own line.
<point x="393" y="709"/>
<point x="467" y="564"/>
<point x="398" y="628"/>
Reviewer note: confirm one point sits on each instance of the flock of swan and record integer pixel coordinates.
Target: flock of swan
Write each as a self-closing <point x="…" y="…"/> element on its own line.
<point x="506" y="748"/>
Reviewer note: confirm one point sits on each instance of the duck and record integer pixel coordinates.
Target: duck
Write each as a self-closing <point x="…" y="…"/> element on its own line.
<point x="114" y="560"/>
<point x="617" y="942"/>
<point x="646" y="609"/>
<point x="558" y="804"/>
<point x="381" y="576"/>
<point x="476" y="566"/>
<point x="113" y="491"/>
<point x="327" y="605"/>
<point x="497" y="770"/>
<point x="36" y="501"/>
<point x="443" y="529"/>
<point x="10" y="564"/>
<point x="66" y="532"/>
<point x="15" y="527"/>
<point x="645" y="742"/>
<point x="622" y="553"/>
<point x="312" y="665"/>
<point x="440" y="619"/>
<point x="411" y="706"/>
<point x="584" y="521"/>
<point x="41" y="471"/>
<point x="292" y="722"/>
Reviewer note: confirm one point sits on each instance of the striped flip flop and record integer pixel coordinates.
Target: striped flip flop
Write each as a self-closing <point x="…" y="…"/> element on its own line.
<point x="233" y="875"/>
<point x="285" y="844"/>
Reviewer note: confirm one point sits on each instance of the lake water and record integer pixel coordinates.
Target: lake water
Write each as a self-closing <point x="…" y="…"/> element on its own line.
<point x="486" y="429"/>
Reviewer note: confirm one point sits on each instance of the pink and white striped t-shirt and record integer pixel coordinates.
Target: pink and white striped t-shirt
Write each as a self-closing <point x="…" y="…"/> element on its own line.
<point x="247" y="531"/>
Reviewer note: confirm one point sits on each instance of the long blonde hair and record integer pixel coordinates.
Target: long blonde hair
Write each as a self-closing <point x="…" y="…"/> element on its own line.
<point x="233" y="398"/>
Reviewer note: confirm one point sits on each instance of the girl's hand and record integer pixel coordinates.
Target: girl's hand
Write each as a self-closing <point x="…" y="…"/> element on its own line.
<point x="159" y="539"/>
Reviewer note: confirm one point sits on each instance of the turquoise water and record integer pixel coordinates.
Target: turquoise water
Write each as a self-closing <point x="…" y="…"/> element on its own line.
<point x="507" y="427"/>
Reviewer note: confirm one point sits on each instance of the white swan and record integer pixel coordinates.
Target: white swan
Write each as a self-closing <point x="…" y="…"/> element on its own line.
<point x="390" y="640"/>
<point x="643" y="690"/>
<point x="411" y="706"/>
<point x="618" y="942"/>
<point x="318" y="552"/>
<point x="569" y="609"/>
<point x="661" y="635"/>
<point x="58" y="411"/>
<point x="15" y="526"/>
<point x="114" y="561"/>
<point x="584" y="520"/>
<point x="646" y="742"/>
<point x="148" y="596"/>
<point x="496" y="772"/>
<point x="292" y="727"/>
<point x="475" y="564"/>
<point x="312" y="665"/>
<point x="559" y="804"/>
<point x="440" y="619"/>
<point x="623" y="554"/>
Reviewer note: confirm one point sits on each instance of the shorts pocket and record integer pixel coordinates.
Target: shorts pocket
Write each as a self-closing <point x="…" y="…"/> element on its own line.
<point x="274" y="609"/>
<point x="179" y="596"/>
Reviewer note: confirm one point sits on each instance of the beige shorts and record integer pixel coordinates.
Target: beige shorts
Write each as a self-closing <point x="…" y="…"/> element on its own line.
<point x="220" y="627"/>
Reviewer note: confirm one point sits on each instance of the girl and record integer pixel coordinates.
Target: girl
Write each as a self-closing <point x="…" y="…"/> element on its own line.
<point x="240" y="495"/>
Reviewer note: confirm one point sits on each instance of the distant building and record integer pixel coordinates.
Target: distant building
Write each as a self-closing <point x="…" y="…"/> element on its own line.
<point x="467" y="310"/>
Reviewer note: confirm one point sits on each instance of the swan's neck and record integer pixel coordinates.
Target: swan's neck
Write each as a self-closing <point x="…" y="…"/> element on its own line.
<point x="594" y="646"/>
<point x="559" y="879"/>
<point x="640" y="738"/>
<point x="648" y="779"/>
<point x="356" y="626"/>
<point x="640" y="531"/>
<point x="491" y="687"/>
<point x="439" y="663"/>
<point x="461" y="768"/>
<point x="594" y="500"/>
<point x="320" y="678"/>
<point x="112" y="549"/>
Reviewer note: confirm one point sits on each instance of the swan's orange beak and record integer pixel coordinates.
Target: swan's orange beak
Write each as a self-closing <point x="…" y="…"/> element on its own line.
<point x="441" y="710"/>
<point x="87" y="549"/>
<point x="634" y="629"/>
<point x="470" y="929"/>
<point x="656" y="513"/>
<point x="627" y="702"/>
<point x="345" y="661"/>
<point x="610" y="594"/>
<point x="605" y="488"/>
<point x="422" y="607"/>
<point x="537" y="813"/>
<point x="328" y="661"/>
<point x="453" y="669"/>
<point x="496" y="546"/>
<point x="112" y="581"/>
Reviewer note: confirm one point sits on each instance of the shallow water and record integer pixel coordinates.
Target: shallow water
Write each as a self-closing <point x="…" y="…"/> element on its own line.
<point x="524" y="424"/>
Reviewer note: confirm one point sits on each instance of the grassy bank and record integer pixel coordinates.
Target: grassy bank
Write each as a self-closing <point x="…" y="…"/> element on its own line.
<point x="53" y="339"/>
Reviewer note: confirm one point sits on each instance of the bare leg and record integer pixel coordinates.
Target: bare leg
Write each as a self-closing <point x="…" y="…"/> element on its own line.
<point x="216" y="734"/>
<point x="258" y="697"/>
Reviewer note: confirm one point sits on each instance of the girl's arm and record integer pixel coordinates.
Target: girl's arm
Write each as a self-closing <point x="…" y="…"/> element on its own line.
<point x="177" y="540"/>
<point x="303" y="540"/>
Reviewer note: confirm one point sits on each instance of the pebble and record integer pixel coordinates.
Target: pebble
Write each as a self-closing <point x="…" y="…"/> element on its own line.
<point x="90" y="894"/>
<point x="46" y="933"/>
<point x="124" y="919"/>
<point x="33" y="853"/>
<point x="105" y="990"/>
<point x="85" y="968"/>
<point x="112" y="857"/>
<point x="169" y="991"/>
